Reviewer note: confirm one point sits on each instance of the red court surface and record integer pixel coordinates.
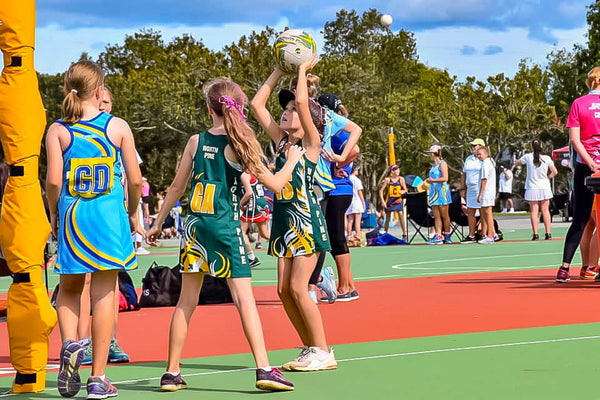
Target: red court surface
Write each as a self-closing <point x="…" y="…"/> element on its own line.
<point x="387" y="309"/>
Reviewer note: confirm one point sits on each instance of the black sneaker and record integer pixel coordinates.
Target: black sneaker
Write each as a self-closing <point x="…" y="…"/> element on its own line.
<point x="548" y="236"/>
<point x="535" y="237"/>
<point x="469" y="240"/>
<point x="254" y="263"/>
<point x="171" y="383"/>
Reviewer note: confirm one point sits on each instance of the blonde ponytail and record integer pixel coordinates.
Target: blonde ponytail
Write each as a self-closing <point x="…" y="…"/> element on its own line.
<point x="81" y="80"/>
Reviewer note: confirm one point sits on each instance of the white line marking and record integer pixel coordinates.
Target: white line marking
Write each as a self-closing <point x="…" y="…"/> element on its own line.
<point x="375" y="357"/>
<point x="399" y="266"/>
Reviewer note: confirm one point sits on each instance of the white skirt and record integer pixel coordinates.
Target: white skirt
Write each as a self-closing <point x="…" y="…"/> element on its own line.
<point x="472" y="198"/>
<point x="356" y="207"/>
<point x="538" y="194"/>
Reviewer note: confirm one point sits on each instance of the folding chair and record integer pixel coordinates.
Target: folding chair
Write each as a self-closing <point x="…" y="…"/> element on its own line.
<point x="458" y="219"/>
<point x="417" y="211"/>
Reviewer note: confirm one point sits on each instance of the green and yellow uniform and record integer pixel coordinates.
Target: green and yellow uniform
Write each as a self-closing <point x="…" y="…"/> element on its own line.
<point x="298" y="225"/>
<point x="212" y="240"/>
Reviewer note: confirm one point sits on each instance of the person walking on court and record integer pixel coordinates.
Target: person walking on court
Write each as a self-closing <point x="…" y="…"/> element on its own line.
<point x="87" y="151"/>
<point x="584" y="129"/>
<point x="538" y="192"/>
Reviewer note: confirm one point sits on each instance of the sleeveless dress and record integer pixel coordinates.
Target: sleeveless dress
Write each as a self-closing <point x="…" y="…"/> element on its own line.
<point x="298" y="225"/>
<point x="439" y="192"/>
<point x="394" y="200"/>
<point x="212" y="234"/>
<point x="257" y="209"/>
<point x="93" y="232"/>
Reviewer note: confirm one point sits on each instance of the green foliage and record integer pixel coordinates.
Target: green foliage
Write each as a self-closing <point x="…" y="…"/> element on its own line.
<point x="157" y="88"/>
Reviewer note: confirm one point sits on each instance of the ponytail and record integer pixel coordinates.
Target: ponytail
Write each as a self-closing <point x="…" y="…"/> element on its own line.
<point x="227" y="99"/>
<point x="312" y="84"/>
<point x="536" y="145"/>
<point x="81" y="80"/>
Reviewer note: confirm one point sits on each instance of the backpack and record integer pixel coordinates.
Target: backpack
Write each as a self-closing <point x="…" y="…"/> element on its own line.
<point x="127" y="291"/>
<point x="160" y="286"/>
<point x="214" y="291"/>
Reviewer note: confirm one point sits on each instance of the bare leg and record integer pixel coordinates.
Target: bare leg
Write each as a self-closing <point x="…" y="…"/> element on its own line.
<point x="103" y="309"/>
<point x="243" y="297"/>
<point x="180" y="321"/>
<point x="534" y="205"/>
<point x="263" y="231"/>
<point x="445" y="218"/>
<point x="84" y="324"/>
<point x="437" y="219"/>
<point x="284" y="290"/>
<point x="402" y="222"/>
<point x="545" y="206"/>
<point x="68" y="303"/>
<point x="587" y="239"/>
<point x="388" y="214"/>
<point x="472" y="221"/>
<point x="346" y="282"/>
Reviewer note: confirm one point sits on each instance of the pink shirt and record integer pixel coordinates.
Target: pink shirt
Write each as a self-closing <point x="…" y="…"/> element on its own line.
<point x="585" y="114"/>
<point x="145" y="189"/>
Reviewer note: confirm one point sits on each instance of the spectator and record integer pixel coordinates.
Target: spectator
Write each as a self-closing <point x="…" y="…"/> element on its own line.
<point x="505" y="190"/>
<point x="540" y="169"/>
<point x="393" y="203"/>
<point x="357" y="207"/>
<point x="470" y="185"/>
<point x="487" y="195"/>
<point x="146" y="201"/>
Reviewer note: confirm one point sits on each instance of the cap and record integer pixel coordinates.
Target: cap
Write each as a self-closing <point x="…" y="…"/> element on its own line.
<point x="435" y="148"/>
<point x="285" y="96"/>
<point x="330" y="101"/>
<point x="478" y="141"/>
<point x="393" y="167"/>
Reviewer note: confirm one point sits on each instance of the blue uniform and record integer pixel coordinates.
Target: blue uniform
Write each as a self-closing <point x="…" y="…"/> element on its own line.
<point x="439" y="192"/>
<point x="94" y="232"/>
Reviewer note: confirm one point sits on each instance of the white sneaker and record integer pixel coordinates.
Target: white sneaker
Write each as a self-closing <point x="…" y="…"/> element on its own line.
<point x="316" y="359"/>
<point x="289" y="366"/>
<point x="486" y="240"/>
<point x="140" y="251"/>
<point x="512" y="210"/>
<point x="503" y="211"/>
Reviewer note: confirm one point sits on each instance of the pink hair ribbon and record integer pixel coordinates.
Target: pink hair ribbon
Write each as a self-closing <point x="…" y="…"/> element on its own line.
<point x="230" y="102"/>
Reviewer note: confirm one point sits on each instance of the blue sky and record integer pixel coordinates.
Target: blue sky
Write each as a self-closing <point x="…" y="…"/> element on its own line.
<point x="466" y="37"/>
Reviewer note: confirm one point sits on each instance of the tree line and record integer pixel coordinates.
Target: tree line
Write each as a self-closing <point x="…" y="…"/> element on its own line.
<point x="377" y="74"/>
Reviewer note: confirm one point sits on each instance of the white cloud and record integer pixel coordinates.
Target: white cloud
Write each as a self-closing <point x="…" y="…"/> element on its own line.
<point x="441" y="48"/>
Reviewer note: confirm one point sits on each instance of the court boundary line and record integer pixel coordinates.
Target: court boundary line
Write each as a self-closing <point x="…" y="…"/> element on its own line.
<point x="375" y="357"/>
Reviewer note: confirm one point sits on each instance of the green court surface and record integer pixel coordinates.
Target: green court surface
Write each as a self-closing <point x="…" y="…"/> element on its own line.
<point x="554" y="362"/>
<point x="369" y="263"/>
<point x="540" y="363"/>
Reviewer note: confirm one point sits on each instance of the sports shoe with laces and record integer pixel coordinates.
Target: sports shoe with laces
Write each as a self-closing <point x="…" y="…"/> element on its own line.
<point x="469" y="240"/>
<point x="447" y="240"/>
<point x="327" y="284"/>
<point x="69" y="382"/>
<point x="172" y="383"/>
<point x="535" y="237"/>
<point x="548" y="236"/>
<point x="87" y="353"/>
<point x="437" y="239"/>
<point x="563" y="275"/>
<point x="316" y="359"/>
<point x="116" y="353"/>
<point x="272" y="380"/>
<point x="588" y="273"/>
<point x="288" y="365"/>
<point x="258" y="245"/>
<point x="486" y="240"/>
<point x="98" y="388"/>
<point x="254" y="262"/>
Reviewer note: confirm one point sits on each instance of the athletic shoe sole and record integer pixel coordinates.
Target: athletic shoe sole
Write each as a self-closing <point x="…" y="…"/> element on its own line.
<point x="172" y="388"/>
<point x="69" y="381"/>
<point x="307" y="368"/>
<point x="273" y="386"/>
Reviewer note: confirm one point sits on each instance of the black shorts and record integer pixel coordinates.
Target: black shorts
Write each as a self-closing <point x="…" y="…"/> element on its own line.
<point x="504" y="195"/>
<point x="146" y="199"/>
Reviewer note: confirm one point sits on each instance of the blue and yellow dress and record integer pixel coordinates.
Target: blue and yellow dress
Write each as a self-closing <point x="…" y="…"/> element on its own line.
<point x="439" y="192"/>
<point x="93" y="232"/>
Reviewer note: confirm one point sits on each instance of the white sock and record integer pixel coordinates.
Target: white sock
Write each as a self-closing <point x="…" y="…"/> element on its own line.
<point x="102" y="377"/>
<point x="251" y="255"/>
<point x="266" y="369"/>
<point x="172" y="373"/>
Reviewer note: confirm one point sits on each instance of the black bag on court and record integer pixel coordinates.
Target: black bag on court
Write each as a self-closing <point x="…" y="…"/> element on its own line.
<point x="161" y="287"/>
